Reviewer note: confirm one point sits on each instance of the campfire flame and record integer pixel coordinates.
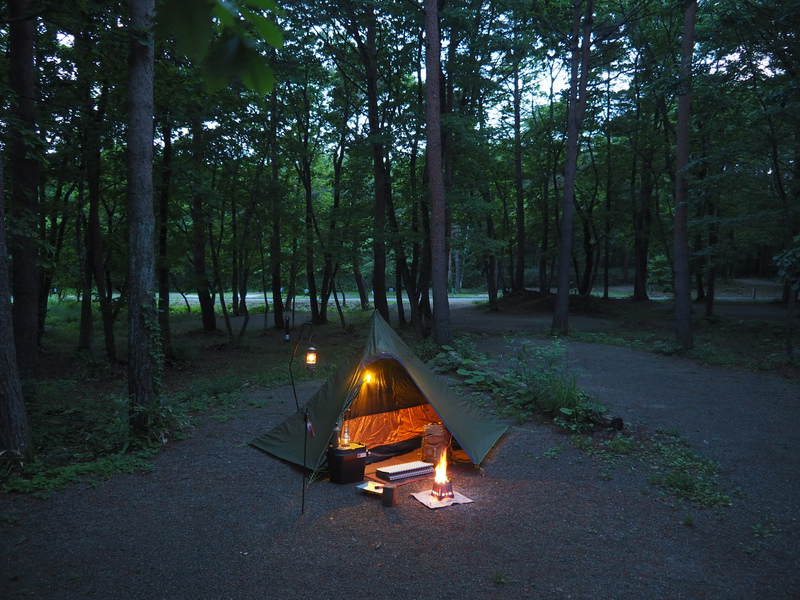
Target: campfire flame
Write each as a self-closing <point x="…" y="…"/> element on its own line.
<point x="442" y="488"/>
<point x="441" y="469"/>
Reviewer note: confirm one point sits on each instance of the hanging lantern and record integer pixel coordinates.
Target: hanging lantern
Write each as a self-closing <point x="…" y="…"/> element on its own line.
<point x="311" y="359"/>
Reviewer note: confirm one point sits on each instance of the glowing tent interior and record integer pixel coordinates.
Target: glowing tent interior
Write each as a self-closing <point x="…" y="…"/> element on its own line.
<point x="385" y="396"/>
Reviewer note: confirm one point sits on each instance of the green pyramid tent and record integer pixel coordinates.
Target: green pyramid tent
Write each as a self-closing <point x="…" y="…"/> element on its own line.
<point x="385" y="396"/>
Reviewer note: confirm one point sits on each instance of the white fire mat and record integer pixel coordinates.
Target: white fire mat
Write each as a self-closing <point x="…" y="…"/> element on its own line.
<point x="431" y="502"/>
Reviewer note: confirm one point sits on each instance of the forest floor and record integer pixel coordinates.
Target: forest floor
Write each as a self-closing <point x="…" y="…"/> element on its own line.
<point x="553" y="516"/>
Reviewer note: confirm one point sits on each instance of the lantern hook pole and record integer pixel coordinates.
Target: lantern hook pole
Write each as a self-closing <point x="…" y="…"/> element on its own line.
<point x="304" y="411"/>
<point x="294" y="353"/>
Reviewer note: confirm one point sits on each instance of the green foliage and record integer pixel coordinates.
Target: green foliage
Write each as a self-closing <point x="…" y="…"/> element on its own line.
<point x="685" y="474"/>
<point x="761" y="532"/>
<point x="554" y="452"/>
<point x="666" y="347"/>
<point x="39" y="478"/>
<point x="155" y="347"/>
<point x="447" y="358"/>
<point x="671" y="464"/>
<point x="659" y="273"/>
<point x="204" y="393"/>
<point x="222" y="36"/>
<point x="499" y="578"/>
<point x="538" y="381"/>
<point x="82" y="438"/>
<point x="63" y="313"/>
<point x="164" y="422"/>
<point x="530" y="380"/>
<point x="788" y="263"/>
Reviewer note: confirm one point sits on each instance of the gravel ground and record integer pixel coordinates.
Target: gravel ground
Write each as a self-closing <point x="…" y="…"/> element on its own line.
<point x="219" y="519"/>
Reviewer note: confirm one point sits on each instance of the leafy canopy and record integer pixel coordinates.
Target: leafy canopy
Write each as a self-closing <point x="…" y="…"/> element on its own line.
<point x="223" y="36"/>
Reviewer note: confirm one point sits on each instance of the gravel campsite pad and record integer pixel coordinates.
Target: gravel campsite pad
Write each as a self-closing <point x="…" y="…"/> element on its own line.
<point x="216" y="518"/>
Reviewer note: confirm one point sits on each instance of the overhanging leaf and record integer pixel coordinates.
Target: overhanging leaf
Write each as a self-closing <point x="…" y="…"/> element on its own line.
<point x="188" y="22"/>
<point x="267" y="29"/>
<point x="232" y="56"/>
<point x="258" y="76"/>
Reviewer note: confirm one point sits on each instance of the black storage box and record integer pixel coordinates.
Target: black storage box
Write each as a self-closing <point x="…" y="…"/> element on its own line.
<point x="346" y="463"/>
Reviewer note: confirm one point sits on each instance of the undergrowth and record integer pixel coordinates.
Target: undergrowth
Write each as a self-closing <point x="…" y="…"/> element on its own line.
<point x="534" y="380"/>
<point x="531" y="379"/>
<point x="83" y="437"/>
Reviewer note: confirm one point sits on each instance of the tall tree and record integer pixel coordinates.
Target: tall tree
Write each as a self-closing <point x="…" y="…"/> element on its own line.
<point x="163" y="240"/>
<point x="441" y="306"/>
<point x="683" y="287"/>
<point x="362" y="23"/>
<point x="580" y="48"/>
<point x="144" y="342"/>
<point x="276" y="201"/>
<point x="92" y="114"/>
<point x="15" y="434"/>
<point x="24" y="204"/>
<point x="199" y="229"/>
<point x="369" y="52"/>
<point x="518" y="281"/>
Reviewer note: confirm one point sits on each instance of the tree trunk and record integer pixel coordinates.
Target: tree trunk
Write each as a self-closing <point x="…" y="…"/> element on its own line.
<point x="86" y="333"/>
<point x="360" y="285"/>
<point x="683" y="286"/>
<point x="642" y="225"/>
<point x="441" y="307"/>
<point x="24" y="206"/>
<point x="585" y="279"/>
<point x="52" y="225"/>
<point x="333" y="242"/>
<point x="199" y="235"/>
<point x="403" y="277"/>
<point x="699" y="281"/>
<point x="277" y="195"/>
<point x="309" y="243"/>
<point x="233" y="256"/>
<point x="92" y="152"/>
<point x="518" y="283"/>
<point x="490" y="260"/>
<point x="163" y="243"/>
<point x="711" y="261"/>
<point x="415" y="269"/>
<point x="790" y="228"/>
<point x="216" y="249"/>
<point x="544" y="280"/>
<point x="144" y="348"/>
<point x="14" y="431"/>
<point x="370" y="56"/>
<point x="609" y="193"/>
<point x="579" y="75"/>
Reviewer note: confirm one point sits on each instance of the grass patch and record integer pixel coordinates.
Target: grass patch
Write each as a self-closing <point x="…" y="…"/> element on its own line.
<point x="40" y="479"/>
<point x="671" y="464"/>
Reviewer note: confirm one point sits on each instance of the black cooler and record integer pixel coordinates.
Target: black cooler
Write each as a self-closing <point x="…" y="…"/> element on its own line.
<point x="346" y="463"/>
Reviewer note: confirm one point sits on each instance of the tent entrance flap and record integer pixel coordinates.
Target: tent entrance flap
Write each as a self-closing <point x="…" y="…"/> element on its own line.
<point x="386" y="428"/>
